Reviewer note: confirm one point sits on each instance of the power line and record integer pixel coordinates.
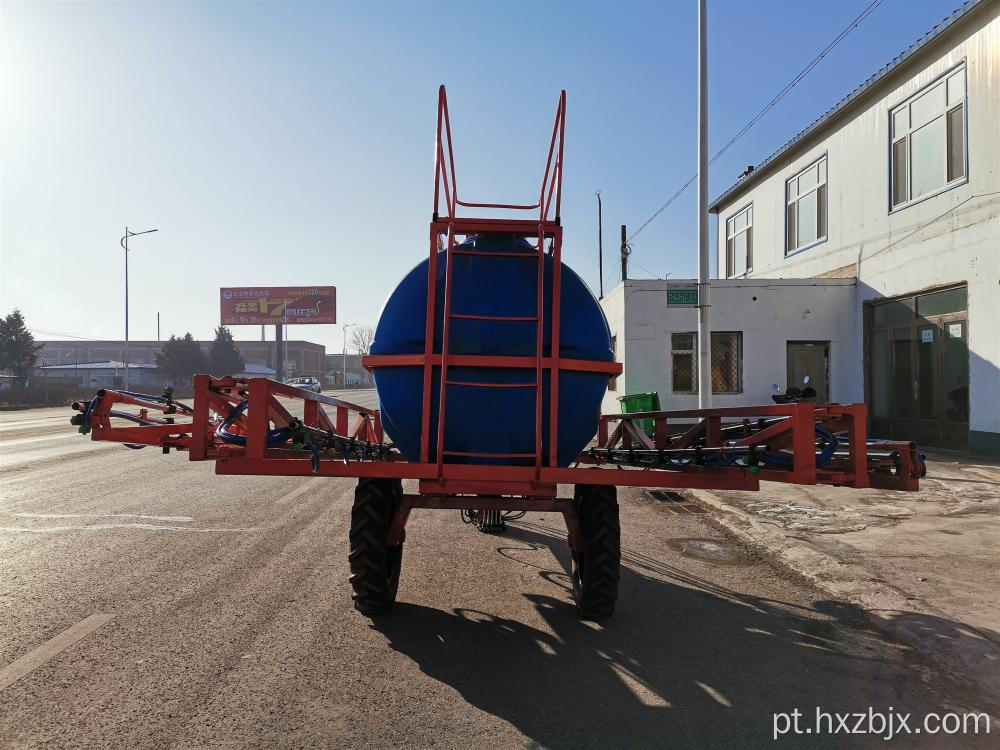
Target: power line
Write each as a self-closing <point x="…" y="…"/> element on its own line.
<point x="770" y="105"/>
<point x="654" y="275"/>
<point x="46" y="332"/>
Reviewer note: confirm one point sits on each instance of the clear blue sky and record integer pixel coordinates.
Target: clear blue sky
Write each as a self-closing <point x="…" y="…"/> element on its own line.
<point x="292" y="143"/>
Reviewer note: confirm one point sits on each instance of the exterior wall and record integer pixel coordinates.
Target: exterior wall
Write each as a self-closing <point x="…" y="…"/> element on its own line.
<point x="356" y="374"/>
<point x="951" y="237"/>
<point x="770" y="313"/>
<point x="613" y="305"/>
<point x="308" y="358"/>
<point x="98" y="377"/>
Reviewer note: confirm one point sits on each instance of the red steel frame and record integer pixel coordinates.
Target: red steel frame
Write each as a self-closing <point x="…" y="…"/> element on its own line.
<point x="452" y="485"/>
<point x="883" y="464"/>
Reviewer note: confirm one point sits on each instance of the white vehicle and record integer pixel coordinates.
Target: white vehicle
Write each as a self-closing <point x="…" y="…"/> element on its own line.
<point x="308" y="383"/>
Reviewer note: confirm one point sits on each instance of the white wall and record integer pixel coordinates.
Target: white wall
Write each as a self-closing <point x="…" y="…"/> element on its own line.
<point x="769" y="312"/>
<point x="613" y="305"/>
<point x="949" y="238"/>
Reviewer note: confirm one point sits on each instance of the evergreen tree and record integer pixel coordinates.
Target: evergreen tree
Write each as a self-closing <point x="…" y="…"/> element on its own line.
<point x="181" y="357"/>
<point x="225" y="357"/>
<point x="18" y="350"/>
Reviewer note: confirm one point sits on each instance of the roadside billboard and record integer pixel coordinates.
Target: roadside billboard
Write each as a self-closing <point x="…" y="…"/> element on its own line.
<point x="268" y="305"/>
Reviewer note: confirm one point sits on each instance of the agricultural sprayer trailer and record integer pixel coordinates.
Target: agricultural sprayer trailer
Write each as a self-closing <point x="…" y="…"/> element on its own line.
<point x="259" y="426"/>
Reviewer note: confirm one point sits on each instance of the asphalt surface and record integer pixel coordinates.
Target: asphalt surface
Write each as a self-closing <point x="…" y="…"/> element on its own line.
<point x="228" y="622"/>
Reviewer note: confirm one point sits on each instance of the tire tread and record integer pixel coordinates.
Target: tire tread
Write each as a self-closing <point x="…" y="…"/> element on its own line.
<point x="597" y="570"/>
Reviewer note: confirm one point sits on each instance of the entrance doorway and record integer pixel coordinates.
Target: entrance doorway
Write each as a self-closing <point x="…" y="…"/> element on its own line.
<point x="810" y="359"/>
<point x="918" y="369"/>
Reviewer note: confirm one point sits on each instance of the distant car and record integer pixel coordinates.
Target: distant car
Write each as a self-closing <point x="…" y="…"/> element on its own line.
<point x="309" y="384"/>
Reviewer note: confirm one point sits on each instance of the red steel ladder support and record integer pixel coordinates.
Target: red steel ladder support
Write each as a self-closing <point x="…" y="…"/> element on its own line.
<point x="537" y="318"/>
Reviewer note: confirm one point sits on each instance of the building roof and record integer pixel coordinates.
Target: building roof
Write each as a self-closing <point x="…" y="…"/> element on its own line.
<point x="107" y="364"/>
<point x="82" y="343"/>
<point x="861" y="91"/>
<point x="251" y="368"/>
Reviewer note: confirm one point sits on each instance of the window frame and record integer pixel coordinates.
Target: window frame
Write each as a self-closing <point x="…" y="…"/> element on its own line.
<point x="693" y="353"/>
<point x="826" y="235"/>
<point x="941" y="79"/>
<point x="749" y="228"/>
<point x="739" y="362"/>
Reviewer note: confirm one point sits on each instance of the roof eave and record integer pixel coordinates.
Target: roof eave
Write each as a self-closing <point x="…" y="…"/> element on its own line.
<point x="866" y="89"/>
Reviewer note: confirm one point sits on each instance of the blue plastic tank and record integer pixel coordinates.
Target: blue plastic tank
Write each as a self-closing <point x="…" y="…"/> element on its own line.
<point x="492" y="420"/>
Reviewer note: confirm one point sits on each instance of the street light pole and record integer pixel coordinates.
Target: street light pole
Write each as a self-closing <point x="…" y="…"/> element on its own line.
<point x="704" y="289"/>
<point x="124" y="244"/>
<point x="346" y="326"/>
<point x="600" y="244"/>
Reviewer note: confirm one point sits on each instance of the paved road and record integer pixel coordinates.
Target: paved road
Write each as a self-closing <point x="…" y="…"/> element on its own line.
<point x="229" y="622"/>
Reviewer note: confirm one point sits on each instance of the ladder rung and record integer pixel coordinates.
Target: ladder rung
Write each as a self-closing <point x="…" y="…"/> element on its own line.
<point x="508" y="318"/>
<point x="491" y="385"/>
<point x="487" y="455"/>
<point x="495" y="254"/>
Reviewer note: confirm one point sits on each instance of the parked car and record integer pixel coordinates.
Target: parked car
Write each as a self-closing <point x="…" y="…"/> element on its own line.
<point x="306" y="383"/>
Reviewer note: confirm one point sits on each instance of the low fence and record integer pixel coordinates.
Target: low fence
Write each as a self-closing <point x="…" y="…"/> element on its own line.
<point x="41" y="391"/>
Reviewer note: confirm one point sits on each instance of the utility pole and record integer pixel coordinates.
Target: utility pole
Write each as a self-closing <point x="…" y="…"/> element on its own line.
<point x="346" y="326"/>
<point x="704" y="302"/>
<point x="624" y="252"/>
<point x="124" y="244"/>
<point x="157" y="325"/>
<point x="600" y="245"/>
<point x="279" y="354"/>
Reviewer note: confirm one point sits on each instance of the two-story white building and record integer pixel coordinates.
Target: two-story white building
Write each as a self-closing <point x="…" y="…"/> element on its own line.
<point x="898" y="187"/>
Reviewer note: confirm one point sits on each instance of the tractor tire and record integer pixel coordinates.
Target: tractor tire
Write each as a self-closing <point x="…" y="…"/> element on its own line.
<point x="375" y="566"/>
<point x="596" y="569"/>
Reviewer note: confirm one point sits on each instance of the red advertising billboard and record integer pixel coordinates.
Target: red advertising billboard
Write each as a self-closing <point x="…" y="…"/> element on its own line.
<point x="294" y="305"/>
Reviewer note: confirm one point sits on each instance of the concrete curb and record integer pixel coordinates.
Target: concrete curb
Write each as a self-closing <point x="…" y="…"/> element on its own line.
<point x="852" y="583"/>
<point x="841" y="580"/>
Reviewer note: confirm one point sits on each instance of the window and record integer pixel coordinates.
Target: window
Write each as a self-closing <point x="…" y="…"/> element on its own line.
<point x="928" y="140"/>
<point x="613" y="382"/>
<point x="727" y="362"/>
<point x="805" y="209"/>
<point x="739" y="242"/>
<point x="683" y="363"/>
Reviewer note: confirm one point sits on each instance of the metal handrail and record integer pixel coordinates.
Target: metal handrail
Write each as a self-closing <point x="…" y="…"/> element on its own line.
<point x="445" y="176"/>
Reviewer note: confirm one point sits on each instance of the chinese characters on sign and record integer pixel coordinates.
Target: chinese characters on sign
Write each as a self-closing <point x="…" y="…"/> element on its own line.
<point x="292" y="305"/>
<point x="687" y="296"/>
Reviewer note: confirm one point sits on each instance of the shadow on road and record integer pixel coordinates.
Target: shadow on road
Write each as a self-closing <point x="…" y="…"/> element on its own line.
<point x="684" y="663"/>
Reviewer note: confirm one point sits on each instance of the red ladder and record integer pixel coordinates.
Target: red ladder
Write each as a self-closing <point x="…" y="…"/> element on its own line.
<point x="550" y="196"/>
<point x="539" y="257"/>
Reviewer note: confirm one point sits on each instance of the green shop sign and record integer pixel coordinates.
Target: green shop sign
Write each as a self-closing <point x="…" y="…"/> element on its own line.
<point x="684" y="296"/>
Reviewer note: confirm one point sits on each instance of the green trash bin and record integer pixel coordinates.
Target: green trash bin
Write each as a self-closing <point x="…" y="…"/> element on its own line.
<point x="634" y="402"/>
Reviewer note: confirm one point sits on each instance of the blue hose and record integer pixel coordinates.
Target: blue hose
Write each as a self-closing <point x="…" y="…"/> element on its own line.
<point x="720" y="460"/>
<point x="275" y="438"/>
<point x="829" y="448"/>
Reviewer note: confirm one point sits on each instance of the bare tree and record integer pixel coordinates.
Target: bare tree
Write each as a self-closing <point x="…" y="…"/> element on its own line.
<point x="361" y="339"/>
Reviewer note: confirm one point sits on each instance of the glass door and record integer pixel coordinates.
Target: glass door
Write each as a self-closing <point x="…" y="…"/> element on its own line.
<point x="928" y="383"/>
<point x="955" y="382"/>
<point x="903" y="380"/>
<point x="918" y="369"/>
